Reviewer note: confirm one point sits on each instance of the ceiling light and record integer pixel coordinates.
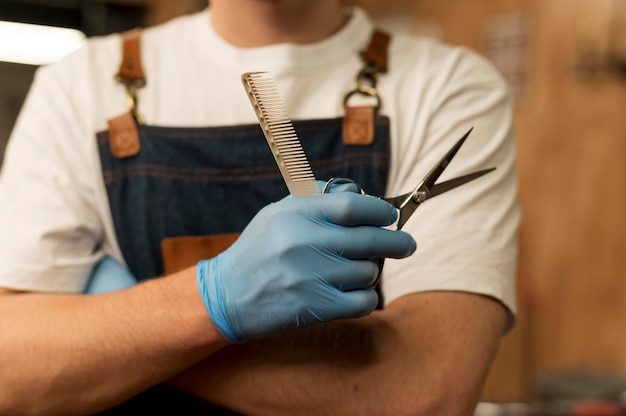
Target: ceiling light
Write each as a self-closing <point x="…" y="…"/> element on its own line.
<point x="35" y="44"/>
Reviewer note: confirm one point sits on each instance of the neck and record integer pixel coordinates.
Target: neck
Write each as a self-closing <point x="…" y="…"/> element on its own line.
<point x="254" y="23"/>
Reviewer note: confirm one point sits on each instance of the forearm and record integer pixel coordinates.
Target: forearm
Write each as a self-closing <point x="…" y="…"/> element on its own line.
<point x="76" y="354"/>
<point x="426" y="354"/>
<point x="316" y="371"/>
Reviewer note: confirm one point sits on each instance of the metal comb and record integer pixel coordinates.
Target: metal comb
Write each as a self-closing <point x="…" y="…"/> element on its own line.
<point x="280" y="133"/>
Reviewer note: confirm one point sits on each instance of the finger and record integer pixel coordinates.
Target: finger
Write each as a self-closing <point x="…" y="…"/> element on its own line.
<point x="109" y="276"/>
<point x="345" y="305"/>
<point x="339" y="186"/>
<point x="357" y="303"/>
<point x="352" y="274"/>
<point x="343" y="186"/>
<point x="372" y="242"/>
<point x="351" y="209"/>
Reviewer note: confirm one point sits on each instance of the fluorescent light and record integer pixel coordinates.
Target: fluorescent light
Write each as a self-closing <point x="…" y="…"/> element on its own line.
<point x="37" y="45"/>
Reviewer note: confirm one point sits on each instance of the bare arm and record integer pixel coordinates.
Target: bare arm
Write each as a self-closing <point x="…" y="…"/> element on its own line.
<point x="77" y="354"/>
<point x="426" y="354"/>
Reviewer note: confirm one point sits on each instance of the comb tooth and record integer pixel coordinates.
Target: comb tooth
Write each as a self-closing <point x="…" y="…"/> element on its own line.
<point x="285" y="144"/>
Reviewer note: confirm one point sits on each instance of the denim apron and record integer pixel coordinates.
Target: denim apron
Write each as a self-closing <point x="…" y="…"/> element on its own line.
<point x="190" y="183"/>
<point x="212" y="181"/>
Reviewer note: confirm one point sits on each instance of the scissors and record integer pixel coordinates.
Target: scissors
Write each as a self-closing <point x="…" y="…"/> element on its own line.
<point x="407" y="203"/>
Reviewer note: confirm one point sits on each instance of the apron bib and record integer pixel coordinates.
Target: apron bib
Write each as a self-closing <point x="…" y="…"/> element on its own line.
<point x="189" y="183"/>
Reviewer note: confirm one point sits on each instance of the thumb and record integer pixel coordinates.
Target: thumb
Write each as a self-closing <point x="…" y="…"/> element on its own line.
<point x="339" y="185"/>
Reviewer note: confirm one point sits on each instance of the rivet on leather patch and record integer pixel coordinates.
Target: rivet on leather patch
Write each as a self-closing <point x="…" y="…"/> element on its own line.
<point x="358" y="126"/>
<point x="123" y="136"/>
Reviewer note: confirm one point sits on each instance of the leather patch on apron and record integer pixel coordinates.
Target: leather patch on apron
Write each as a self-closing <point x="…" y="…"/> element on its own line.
<point x="358" y="126"/>
<point x="180" y="253"/>
<point x="123" y="136"/>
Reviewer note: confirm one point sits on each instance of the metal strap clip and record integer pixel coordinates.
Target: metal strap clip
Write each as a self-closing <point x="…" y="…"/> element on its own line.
<point x="130" y="73"/>
<point x="374" y="62"/>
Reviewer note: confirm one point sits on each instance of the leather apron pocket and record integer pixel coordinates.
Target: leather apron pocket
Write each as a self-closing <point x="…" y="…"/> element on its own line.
<point x="182" y="252"/>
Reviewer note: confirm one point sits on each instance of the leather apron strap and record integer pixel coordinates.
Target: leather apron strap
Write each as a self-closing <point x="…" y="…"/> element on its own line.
<point x="123" y="129"/>
<point x="131" y="70"/>
<point x="358" y="126"/>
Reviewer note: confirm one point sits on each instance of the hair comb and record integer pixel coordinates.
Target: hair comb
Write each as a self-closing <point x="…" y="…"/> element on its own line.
<point x="280" y="134"/>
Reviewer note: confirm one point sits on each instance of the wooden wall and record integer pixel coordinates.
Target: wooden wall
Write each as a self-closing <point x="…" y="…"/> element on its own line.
<point x="160" y="11"/>
<point x="571" y="129"/>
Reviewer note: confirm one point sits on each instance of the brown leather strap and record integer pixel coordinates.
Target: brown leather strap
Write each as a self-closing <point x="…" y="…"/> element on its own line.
<point x="130" y="70"/>
<point x="123" y="134"/>
<point x="376" y="52"/>
<point x="359" y="121"/>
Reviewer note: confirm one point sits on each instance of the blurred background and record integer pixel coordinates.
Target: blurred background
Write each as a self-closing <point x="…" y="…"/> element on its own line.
<point x="565" y="61"/>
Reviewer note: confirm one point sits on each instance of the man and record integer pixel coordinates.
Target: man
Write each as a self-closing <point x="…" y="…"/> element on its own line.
<point x="72" y="199"/>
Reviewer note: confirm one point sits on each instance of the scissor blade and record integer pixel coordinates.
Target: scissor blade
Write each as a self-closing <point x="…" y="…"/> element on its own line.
<point x="406" y="212"/>
<point x="437" y="170"/>
<point x="410" y="205"/>
<point x="446" y="186"/>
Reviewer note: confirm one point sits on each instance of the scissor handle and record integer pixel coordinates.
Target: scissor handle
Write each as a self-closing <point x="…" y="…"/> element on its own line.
<point x="340" y="180"/>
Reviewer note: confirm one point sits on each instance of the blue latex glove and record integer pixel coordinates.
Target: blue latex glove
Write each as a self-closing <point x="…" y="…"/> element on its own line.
<point x="108" y="276"/>
<point x="301" y="261"/>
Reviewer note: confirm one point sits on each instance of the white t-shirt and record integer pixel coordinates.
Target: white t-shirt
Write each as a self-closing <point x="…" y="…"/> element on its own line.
<point x="54" y="215"/>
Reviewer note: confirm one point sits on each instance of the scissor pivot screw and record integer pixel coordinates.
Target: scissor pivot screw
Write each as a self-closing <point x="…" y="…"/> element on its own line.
<point x="420" y="196"/>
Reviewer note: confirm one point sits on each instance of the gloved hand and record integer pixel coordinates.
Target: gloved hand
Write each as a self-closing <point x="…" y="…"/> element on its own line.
<point x="108" y="276"/>
<point x="301" y="261"/>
